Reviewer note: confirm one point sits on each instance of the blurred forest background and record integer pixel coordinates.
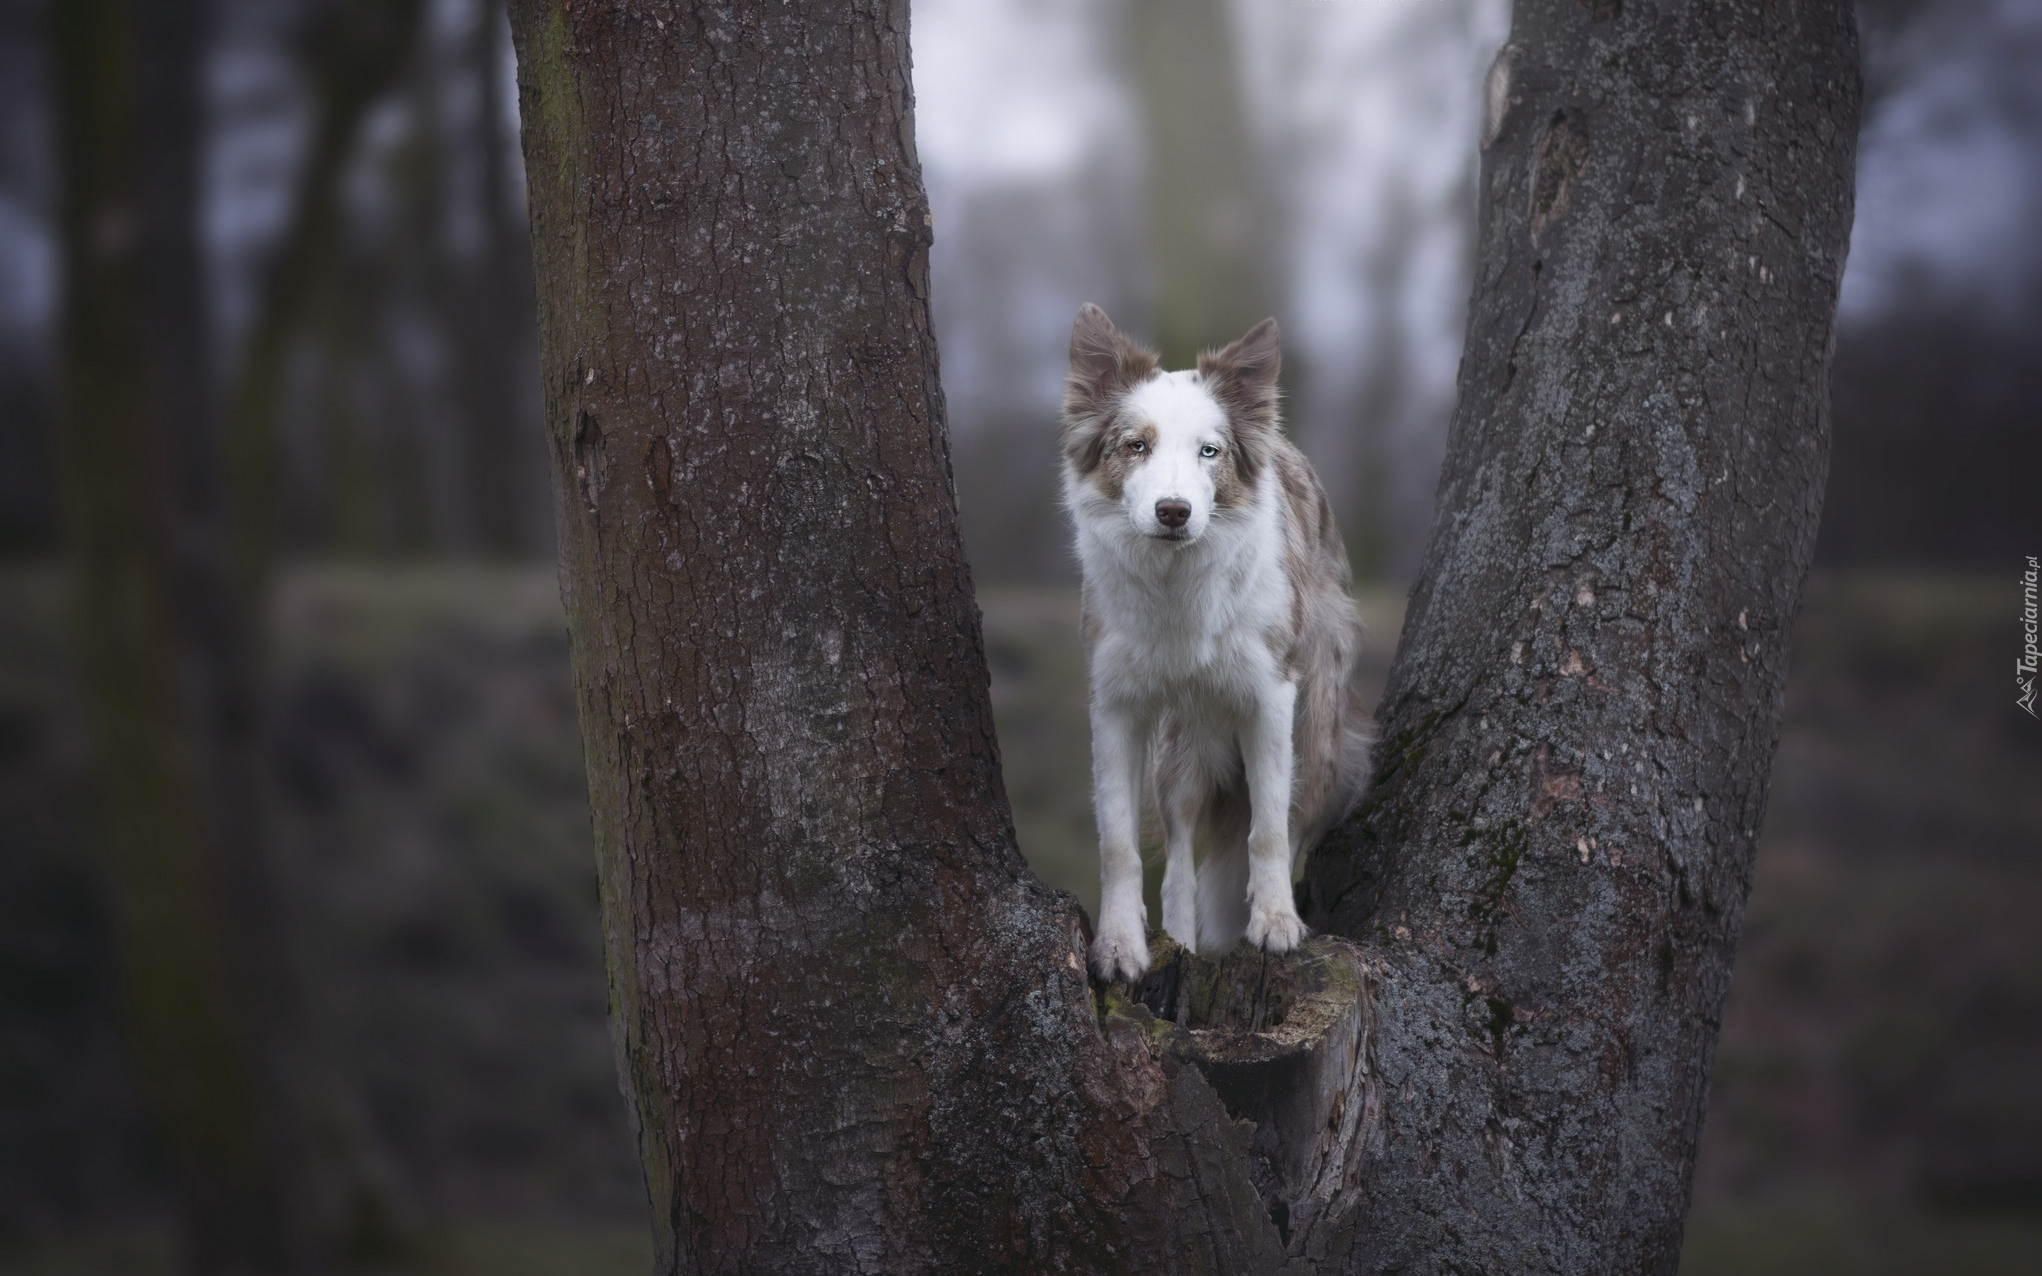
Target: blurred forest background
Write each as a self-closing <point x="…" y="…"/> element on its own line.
<point x="301" y="343"/>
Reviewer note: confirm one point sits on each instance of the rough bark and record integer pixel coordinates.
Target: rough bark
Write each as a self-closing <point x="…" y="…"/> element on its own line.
<point x="164" y="640"/>
<point x="853" y="1032"/>
<point x="1580" y="722"/>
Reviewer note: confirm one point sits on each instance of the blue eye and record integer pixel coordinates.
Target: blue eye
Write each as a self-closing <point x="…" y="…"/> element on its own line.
<point x="1208" y="451"/>
<point x="1137" y="446"/>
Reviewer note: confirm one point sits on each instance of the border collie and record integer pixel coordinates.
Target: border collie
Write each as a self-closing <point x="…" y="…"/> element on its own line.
<point x="1220" y="636"/>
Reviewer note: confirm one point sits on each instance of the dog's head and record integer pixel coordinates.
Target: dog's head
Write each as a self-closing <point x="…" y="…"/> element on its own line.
<point x="1171" y="449"/>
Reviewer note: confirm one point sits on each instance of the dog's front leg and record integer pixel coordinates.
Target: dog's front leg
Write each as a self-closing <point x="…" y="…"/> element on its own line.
<point x="1273" y="923"/>
<point x="1120" y="950"/>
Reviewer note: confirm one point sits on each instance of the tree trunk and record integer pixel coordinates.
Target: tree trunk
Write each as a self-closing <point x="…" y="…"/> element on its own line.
<point x="165" y="641"/>
<point x="1209" y="237"/>
<point x="353" y="51"/>
<point x="1579" y="725"/>
<point x="489" y="299"/>
<point x="854" y="1033"/>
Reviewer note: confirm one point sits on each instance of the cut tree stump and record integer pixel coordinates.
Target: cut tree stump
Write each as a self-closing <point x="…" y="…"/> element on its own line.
<point x="1286" y="1042"/>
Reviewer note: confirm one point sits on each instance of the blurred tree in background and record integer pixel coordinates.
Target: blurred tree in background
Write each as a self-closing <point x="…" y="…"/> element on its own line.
<point x="364" y="268"/>
<point x="165" y="639"/>
<point x="1210" y="231"/>
<point x="295" y="317"/>
<point x="351" y="53"/>
<point x="174" y="524"/>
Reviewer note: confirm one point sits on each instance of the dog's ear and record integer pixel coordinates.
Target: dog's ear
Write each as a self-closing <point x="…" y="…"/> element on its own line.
<point x="1105" y="364"/>
<point x="1242" y="377"/>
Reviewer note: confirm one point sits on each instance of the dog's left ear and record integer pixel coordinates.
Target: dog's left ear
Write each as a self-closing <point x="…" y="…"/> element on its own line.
<point x="1242" y="377"/>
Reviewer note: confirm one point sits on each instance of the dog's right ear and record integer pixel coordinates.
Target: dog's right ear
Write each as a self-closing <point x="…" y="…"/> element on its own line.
<point x="1105" y="364"/>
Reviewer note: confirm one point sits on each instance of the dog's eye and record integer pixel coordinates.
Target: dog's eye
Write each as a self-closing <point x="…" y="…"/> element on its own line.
<point x="1208" y="451"/>
<point x="1137" y="447"/>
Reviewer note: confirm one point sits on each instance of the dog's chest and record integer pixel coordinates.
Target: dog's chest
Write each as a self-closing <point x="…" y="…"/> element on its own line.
<point x="1204" y="635"/>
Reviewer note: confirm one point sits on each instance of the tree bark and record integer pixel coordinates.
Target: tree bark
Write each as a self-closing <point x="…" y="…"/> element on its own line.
<point x="853" y="1031"/>
<point x="1580" y="721"/>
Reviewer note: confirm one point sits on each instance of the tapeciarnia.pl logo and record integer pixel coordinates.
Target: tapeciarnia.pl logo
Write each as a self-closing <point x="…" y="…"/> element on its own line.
<point x="2024" y="668"/>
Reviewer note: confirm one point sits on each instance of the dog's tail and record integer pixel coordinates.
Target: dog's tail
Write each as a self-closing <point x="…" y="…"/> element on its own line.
<point x="1357" y="757"/>
<point x="1353" y="762"/>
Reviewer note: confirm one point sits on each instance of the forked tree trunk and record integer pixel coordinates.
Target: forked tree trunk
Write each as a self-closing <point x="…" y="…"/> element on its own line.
<point x="853" y="1030"/>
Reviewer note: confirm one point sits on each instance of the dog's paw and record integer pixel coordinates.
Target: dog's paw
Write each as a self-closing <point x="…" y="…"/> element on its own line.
<point x="1276" y="929"/>
<point x="1120" y="953"/>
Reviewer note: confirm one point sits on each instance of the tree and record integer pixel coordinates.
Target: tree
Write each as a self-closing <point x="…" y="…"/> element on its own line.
<point x="493" y="337"/>
<point x="852" y="1030"/>
<point x="353" y="52"/>
<point x="1207" y="232"/>
<point x="172" y="513"/>
<point x="165" y="638"/>
<point x="1580" y="723"/>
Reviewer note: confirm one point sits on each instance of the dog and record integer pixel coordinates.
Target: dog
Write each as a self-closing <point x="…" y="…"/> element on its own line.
<point x="1220" y="638"/>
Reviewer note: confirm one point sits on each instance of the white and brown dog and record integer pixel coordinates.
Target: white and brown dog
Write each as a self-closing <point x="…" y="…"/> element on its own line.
<point x="1220" y="635"/>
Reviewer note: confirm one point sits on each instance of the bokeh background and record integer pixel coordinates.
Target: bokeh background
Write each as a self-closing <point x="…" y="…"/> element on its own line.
<point x="1191" y="165"/>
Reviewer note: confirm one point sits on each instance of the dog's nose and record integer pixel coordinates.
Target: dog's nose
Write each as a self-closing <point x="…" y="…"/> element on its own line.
<point x="1173" y="513"/>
